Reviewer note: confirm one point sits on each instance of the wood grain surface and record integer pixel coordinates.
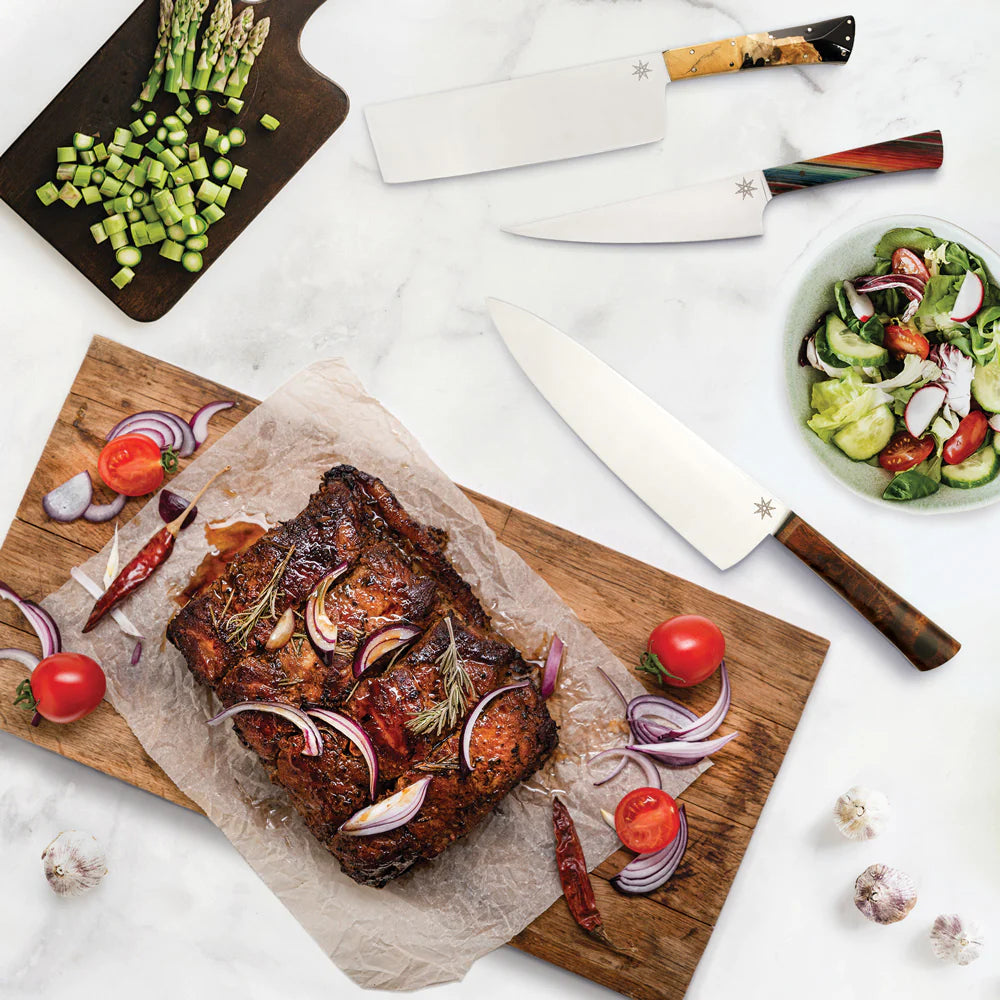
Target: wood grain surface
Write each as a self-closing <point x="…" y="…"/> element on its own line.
<point x="772" y="665"/>
<point x="309" y="106"/>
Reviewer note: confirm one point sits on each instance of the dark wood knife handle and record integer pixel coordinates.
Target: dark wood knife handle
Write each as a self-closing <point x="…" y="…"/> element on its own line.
<point x="821" y="42"/>
<point x="923" y="643"/>
<point x="924" y="151"/>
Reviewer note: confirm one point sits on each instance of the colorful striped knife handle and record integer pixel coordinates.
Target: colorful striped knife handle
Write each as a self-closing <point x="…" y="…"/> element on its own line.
<point x="913" y="152"/>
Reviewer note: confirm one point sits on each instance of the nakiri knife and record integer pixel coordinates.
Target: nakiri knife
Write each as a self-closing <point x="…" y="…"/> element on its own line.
<point x="734" y="207"/>
<point x="572" y="112"/>
<point x="713" y="504"/>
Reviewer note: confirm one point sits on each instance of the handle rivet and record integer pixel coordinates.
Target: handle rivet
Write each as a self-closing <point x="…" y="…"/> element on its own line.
<point x="691" y="51"/>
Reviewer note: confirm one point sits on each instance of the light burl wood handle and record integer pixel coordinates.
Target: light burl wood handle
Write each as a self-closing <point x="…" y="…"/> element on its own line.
<point x="822" y="42"/>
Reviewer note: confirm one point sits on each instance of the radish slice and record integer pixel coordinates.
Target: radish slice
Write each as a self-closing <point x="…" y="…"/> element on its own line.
<point x="98" y="513"/>
<point x="969" y="299"/>
<point x="860" y="304"/>
<point x="200" y="418"/>
<point x="21" y="656"/>
<point x="922" y="408"/>
<point x="994" y="422"/>
<point x="68" y="502"/>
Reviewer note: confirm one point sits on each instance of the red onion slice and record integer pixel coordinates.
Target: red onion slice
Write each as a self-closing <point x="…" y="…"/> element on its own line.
<point x="552" y="663"/>
<point x="95" y="591"/>
<point x="879" y="282"/>
<point x="465" y="740"/>
<point x="712" y="719"/>
<point x="163" y="432"/>
<point x="395" y="811"/>
<point x="680" y="753"/>
<point x="21" y="656"/>
<point x="68" y="502"/>
<point x="322" y="631"/>
<point x="98" y="513"/>
<point x="136" y="653"/>
<point x="649" y="771"/>
<point x="647" y="872"/>
<point x="171" y="505"/>
<point x="644" y="709"/>
<point x="617" y="690"/>
<point x="349" y="728"/>
<point x="380" y="642"/>
<point x="201" y="417"/>
<point x="41" y="622"/>
<point x="313" y="740"/>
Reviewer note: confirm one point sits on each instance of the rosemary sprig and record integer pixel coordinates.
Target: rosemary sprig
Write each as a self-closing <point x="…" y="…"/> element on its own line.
<point x="296" y="641"/>
<point x="458" y="690"/>
<point x="241" y="625"/>
<point x="290" y="682"/>
<point x="448" y="764"/>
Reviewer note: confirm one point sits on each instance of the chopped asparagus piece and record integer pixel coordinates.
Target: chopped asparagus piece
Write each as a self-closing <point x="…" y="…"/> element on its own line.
<point x="270" y="122"/>
<point x="124" y="276"/>
<point x="47" y="193"/>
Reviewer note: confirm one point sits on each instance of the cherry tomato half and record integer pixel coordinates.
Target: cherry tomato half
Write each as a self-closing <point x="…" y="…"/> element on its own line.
<point x="907" y="262"/>
<point x="905" y="451"/>
<point x="131" y="464"/>
<point x="967" y="438"/>
<point x="901" y="340"/>
<point x="684" y="651"/>
<point x="67" y="686"/>
<point x="646" y="820"/>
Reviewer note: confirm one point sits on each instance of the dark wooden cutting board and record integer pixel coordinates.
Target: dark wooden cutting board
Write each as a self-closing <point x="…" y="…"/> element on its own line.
<point x="309" y="106"/>
<point x="772" y="665"/>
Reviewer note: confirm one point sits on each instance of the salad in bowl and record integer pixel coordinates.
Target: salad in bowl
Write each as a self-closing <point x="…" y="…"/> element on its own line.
<point x="909" y="373"/>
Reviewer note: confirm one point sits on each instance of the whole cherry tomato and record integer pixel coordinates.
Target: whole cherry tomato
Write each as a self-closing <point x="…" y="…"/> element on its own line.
<point x="646" y="820"/>
<point x="905" y="451"/>
<point x="67" y="686"/>
<point x="683" y="651"/>
<point x="901" y="340"/>
<point x="967" y="438"/>
<point x="131" y="464"/>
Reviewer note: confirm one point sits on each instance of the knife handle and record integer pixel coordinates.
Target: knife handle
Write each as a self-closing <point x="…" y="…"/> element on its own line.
<point x="924" y="151"/>
<point x="923" y="643"/>
<point x="824" y="41"/>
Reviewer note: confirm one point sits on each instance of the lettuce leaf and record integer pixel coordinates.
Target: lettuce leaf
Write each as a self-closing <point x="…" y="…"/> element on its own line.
<point x="871" y="330"/>
<point x="913" y="239"/>
<point x="839" y="402"/>
<point x="935" y="309"/>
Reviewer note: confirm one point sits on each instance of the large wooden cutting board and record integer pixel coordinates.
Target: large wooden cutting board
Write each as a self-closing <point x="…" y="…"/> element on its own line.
<point x="772" y="665"/>
<point x="309" y="106"/>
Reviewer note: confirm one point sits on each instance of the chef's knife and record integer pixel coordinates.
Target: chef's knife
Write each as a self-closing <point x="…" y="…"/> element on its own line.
<point x="716" y="506"/>
<point x="734" y="207"/>
<point x="571" y="112"/>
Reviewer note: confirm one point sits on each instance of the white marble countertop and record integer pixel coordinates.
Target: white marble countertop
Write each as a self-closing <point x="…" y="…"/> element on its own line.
<point x="393" y="279"/>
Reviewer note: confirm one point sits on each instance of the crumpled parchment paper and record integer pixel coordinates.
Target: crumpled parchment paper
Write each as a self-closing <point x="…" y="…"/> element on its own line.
<point x="430" y="925"/>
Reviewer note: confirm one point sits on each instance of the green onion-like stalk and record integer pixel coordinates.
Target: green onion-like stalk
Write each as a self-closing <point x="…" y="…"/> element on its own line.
<point x="248" y="54"/>
<point x="152" y="84"/>
<point x="235" y="40"/>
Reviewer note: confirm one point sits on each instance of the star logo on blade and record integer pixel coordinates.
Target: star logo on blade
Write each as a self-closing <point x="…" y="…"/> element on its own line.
<point x="765" y="508"/>
<point x="640" y="70"/>
<point x="746" y="188"/>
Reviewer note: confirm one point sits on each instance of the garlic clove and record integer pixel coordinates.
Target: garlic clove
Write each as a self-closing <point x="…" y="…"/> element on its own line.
<point x="956" y="940"/>
<point x="884" y="894"/>
<point x="73" y="863"/>
<point x="861" y="813"/>
<point x="282" y="632"/>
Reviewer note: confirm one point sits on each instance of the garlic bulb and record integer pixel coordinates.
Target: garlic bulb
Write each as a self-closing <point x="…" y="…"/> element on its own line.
<point x="861" y="813"/>
<point x="956" y="940"/>
<point x="884" y="894"/>
<point x="73" y="863"/>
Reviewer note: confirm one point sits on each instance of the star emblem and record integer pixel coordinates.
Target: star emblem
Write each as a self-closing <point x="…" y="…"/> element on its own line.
<point x="746" y="188"/>
<point x="765" y="508"/>
<point x="640" y="70"/>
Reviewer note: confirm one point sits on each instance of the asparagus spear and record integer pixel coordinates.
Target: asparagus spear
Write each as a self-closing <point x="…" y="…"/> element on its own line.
<point x="235" y="40"/>
<point x="241" y="72"/>
<point x="197" y="13"/>
<point x="177" y="46"/>
<point x="211" y="43"/>
<point x="152" y="84"/>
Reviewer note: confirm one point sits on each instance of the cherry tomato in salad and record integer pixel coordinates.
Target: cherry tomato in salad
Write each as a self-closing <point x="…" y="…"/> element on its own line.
<point x="646" y="820"/>
<point x="907" y="262"/>
<point x="684" y="651"/>
<point x="901" y="340"/>
<point x="67" y="686"/>
<point x="967" y="438"/>
<point x="905" y="451"/>
<point x="131" y="464"/>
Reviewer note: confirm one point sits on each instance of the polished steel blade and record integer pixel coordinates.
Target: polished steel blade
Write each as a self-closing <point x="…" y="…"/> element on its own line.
<point x="530" y="119"/>
<point x="716" y="506"/>
<point x="718" y="210"/>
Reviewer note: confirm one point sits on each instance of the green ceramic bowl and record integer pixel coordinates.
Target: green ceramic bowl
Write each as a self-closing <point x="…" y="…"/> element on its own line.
<point x="849" y="255"/>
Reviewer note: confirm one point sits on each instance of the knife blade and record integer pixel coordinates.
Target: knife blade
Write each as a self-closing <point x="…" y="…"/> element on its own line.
<point x="734" y="207"/>
<point x="707" y="499"/>
<point x="575" y="111"/>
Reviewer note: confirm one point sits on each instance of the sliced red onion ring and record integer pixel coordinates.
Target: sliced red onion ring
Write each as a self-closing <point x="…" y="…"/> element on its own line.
<point x="680" y="753"/>
<point x="649" y="871"/>
<point x="95" y="591"/>
<point x="349" y="728"/>
<point x="38" y="618"/>
<point x="68" y="502"/>
<point x="617" y="690"/>
<point x="313" y="740"/>
<point x="162" y="422"/>
<point x="201" y="417"/>
<point x="552" y="663"/>
<point x="649" y="771"/>
<point x="880" y="282"/>
<point x="136" y="653"/>
<point x="21" y="656"/>
<point x="465" y="740"/>
<point x="395" y="811"/>
<point x="322" y="631"/>
<point x="98" y="513"/>
<point x="645" y="708"/>
<point x="712" y="719"/>
<point x="380" y="642"/>
<point x="171" y="505"/>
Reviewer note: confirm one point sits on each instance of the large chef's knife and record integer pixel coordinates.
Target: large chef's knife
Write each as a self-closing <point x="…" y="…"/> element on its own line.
<point x="717" y="507"/>
<point x="734" y="207"/>
<point x="571" y="112"/>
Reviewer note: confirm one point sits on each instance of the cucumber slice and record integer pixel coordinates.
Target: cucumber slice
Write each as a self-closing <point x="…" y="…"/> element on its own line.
<point x="986" y="386"/>
<point x="851" y="348"/>
<point x="865" y="438"/>
<point x="978" y="469"/>
<point x="823" y="349"/>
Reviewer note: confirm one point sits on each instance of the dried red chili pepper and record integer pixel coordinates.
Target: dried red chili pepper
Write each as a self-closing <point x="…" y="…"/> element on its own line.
<point x="573" y="873"/>
<point x="145" y="563"/>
